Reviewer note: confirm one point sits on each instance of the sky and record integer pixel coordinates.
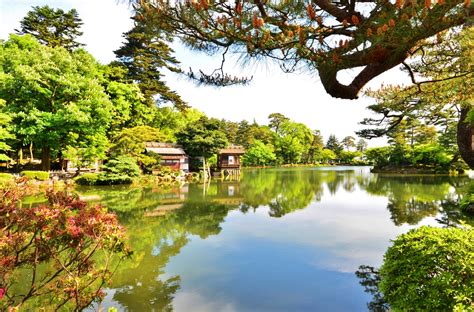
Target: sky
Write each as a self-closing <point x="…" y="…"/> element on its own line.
<point x="299" y="96"/>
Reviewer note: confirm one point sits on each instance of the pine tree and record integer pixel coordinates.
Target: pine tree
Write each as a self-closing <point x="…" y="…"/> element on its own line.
<point x="145" y="54"/>
<point x="53" y="27"/>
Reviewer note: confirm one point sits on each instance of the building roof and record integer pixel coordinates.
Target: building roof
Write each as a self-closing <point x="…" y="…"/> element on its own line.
<point x="164" y="148"/>
<point x="232" y="149"/>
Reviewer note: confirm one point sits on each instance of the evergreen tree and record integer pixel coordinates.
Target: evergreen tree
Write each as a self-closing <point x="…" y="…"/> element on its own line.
<point x="334" y="145"/>
<point x="145" y="54"/>
<point x="319" y="35"/>
<point x="53" y="27"/>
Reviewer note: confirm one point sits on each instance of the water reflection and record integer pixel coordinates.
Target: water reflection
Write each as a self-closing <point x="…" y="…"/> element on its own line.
<point x="323" y="223"/>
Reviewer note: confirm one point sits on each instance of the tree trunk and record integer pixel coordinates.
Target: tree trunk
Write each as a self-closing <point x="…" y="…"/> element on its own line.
<point x="46" y="158"/>
<point x="464" y="138"/>
<point x="31" y="153"/>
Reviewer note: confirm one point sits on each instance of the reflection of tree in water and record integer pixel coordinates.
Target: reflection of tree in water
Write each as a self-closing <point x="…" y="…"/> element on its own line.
<point x="155" y="238"/>
<point x="159" y="222"/>
<point x="412" y="198"/>
<point x="369" y="278"/>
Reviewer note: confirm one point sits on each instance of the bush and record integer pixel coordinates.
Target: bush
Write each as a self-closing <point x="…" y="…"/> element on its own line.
<point x="102" y="179"/>
<point x="87" y="179"/>
<point x="122" y="166"/>
<point x="6" y="178"/>
<point x="430" y="269"/>
<point x="58" y="248"/>
<point x="430" y="154"/>
<point x="36" y="175"/>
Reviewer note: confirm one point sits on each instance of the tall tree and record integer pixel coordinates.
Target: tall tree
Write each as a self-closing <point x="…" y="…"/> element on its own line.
<point x="334" y="145"/>
<point x="146" y="53"/>
<point x="54" y="98"/>
<point x="348" y="142"/>
<point x="53" y="27"/>
<point x="276" y="120"/>
<point x="361" y="145"/>
<point x="202" y="139"/>
<point x="326" y="36"/>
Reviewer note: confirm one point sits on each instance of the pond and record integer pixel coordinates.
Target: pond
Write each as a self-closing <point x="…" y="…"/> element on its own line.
<point x="286" y="239"/>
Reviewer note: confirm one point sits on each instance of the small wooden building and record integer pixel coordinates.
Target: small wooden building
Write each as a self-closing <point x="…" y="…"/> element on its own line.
<point x="172" y="155"/>
<point x="229" y="158"/>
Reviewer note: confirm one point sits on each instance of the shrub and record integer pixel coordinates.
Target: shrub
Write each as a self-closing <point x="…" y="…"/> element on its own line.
<point x="430" y="269"/>
<point x="122" y="166"/>
<point x="430" y="154"/>
<point x="87" y="179"/>
<point x="5" y="178"/>
<point x="102" y="179"/>
<point x="62" y="248"/>
<point x="36" y="175"/>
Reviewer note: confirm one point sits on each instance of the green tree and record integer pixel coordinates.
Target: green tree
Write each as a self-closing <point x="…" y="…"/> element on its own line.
<point x="132" y="141"/>
<point x="258" y="154"/>
<point x="146" y="53"/>
<point x="334" y="145"/>
<point x="326" y="36"/>
<point x="5" y="133"/>
<point x="348" y="142"/>
<point x="202" y="139"/>
<point x="292" y="142"/>
<point x="276" y="120"/>
<point x="53" y="27"/>
<point x="430" y="269"/>
<point x="54" y="98"/>
<point x="361" y="145"/>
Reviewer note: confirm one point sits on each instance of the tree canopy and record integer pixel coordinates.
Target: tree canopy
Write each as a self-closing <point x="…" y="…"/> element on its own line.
<point x="54" y="98"/>
<point x="53" y="27"/>
<point x="320" y="35"/>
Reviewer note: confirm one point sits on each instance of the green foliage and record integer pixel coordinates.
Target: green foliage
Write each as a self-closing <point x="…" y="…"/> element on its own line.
<point x="467" y="202"/>
<point x="349" y="157"/>
<point x="145" y="54"/>
<point x="131" y="142"/>
<point x="122" y="165"/>
<point x="54" y="98"/>
<point x="202" y="138"/>
<point x="431" y="154"/>
<point x="87" y="179"/>
<point x="334" y="145"/>
<point x="378" y="156"/>
<point x="36" y="175"/>
<point x="292" y="141"/>
<point x="6" y="178"/>
<point x="259" y="154"/>
<point x="325" y="156"/>
<point x="53" y="27"/>
<point x="5" y="133"/>
<point x="430" y="269"/>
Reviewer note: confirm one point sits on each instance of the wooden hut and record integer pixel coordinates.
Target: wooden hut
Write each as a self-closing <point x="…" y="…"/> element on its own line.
<point x="228" y="159"/>
<point x="172" y="155"/>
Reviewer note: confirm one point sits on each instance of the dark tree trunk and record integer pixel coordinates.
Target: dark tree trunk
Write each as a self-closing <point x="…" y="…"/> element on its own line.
<point x="464" y="138"/>
<point x="46" y="158"/>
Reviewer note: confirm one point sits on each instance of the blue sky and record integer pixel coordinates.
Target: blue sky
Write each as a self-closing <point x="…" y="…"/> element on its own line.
<point x="301" y="96"/>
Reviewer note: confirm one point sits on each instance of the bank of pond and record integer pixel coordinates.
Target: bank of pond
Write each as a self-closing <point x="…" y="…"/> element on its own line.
<point x="287" y="239"/>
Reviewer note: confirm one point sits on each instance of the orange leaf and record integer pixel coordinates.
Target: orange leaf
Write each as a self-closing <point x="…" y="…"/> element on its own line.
<point x="355" y="20"/>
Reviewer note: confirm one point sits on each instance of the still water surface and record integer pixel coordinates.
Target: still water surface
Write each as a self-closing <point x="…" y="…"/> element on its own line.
<point x="286" y="239"/>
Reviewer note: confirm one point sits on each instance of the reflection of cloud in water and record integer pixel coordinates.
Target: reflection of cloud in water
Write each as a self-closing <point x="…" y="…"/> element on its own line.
<point x="193" y="301"/>
<point x="352" y="229"/>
